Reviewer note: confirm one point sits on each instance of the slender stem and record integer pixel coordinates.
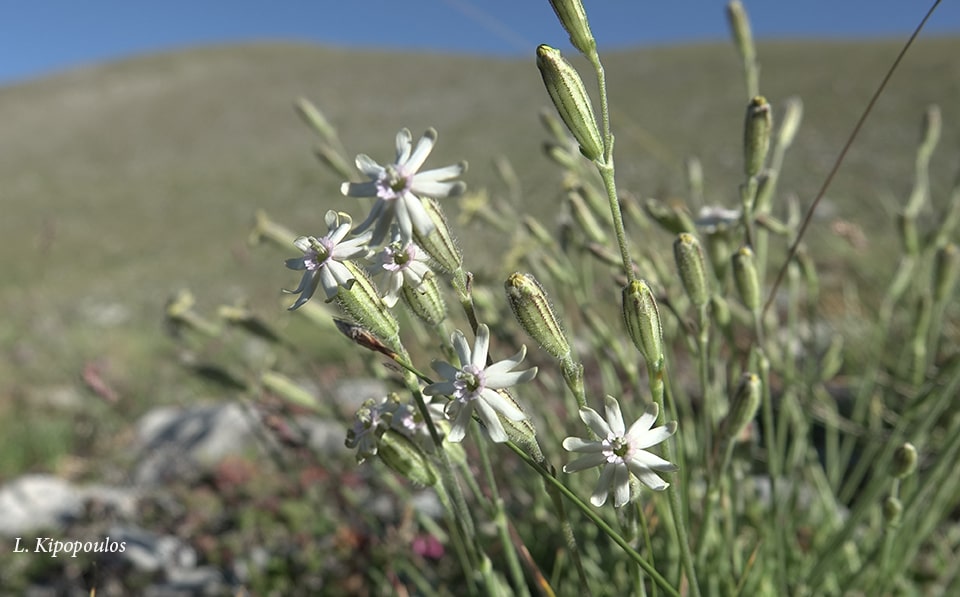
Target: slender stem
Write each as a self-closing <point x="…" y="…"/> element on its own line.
<point x="500" y="520"/>
<point x="597" y="520"/>
<point x="676" y="504"/>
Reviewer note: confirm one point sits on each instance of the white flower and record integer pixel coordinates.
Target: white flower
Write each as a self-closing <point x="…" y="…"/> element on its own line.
<point x="712" y="219"/>
<point x="322" y="259"/>
<point x="404" y="263"/>
<point x="473" y="387"/>
<point x="621" y="452"/>
<point x="399" y="187"/>
<point x="368" y="423"/>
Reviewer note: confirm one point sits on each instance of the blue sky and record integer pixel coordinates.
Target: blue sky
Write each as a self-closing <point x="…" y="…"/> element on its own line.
<point x="44" y="36"/>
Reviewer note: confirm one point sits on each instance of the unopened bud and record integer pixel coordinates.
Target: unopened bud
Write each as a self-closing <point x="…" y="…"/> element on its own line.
<point x="362" y="302"/>
<point x="892" y="508"/>
<point x="693" y="270"/>
<point x="642" y="318"/>
<point x="535" y="314"/>
<point x="406" y="458"/>
<point x="426" y="300"/>
<point x="574" y="20"/>
<point x="756" y="135"/>
<point x="743" y="407"/>
<point x="904" y="460"/>
<point x="570" y="98"/>
<point x="438" y="243"/>
<point x="743" y="38"/>
<point x="746" y="277"/>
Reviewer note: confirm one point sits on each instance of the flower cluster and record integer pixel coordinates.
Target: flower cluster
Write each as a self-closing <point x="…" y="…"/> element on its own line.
<point x="400" y="188"/>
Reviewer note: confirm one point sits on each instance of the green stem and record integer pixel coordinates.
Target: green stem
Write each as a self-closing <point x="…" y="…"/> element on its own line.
<point x="597" y="520"/>
<point x="676" y="505"/>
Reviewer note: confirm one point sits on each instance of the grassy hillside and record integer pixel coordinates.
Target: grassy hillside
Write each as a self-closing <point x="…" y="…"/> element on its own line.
<point x="124" y="182"/>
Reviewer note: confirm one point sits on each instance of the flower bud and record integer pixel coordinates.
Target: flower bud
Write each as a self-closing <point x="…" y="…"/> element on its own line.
<point x="426" y="301"/>
<point x="892" y="508"/>
<point x="743" y="407"/>
<point x="362" y="302"/>
<point x="743" y="38"/>
<point x="756" y="135"/>
<point x="533" y="311"/>
<point x="693" y="271"/>
<point x="406" y="458"/>
<point x="746" y="277"/>
<point x="904" y="460"/>
<point x="642" y="317"/>
<point x="574" y="20"/>
<point x="570" y="98"/>
<point x="438" y="243"/>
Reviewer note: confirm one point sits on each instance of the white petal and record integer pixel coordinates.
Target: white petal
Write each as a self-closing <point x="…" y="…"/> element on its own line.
<point x="443" y="388"/>
<point x="420" y="153"/>
<point x="404" y="143"/>
<point x="402" y="212"/>
<point x="369" y="167"/>
<point x="440" y="174"/>
<point x="481" y="345"/>
<point x="584" y="462"/>
<point x="418" y="215"/>
<point x="645" y="460"/>
<point x="621" y="486"/>
<point x="599" y="496"/>
<point x="502" y="404"/>
<point x="639" y="438"/>
<point x="652" y="481"/>
<point x="446" y="370"/>
<point x="329" y="282"/>
<point x="436" y="189"/>
<point x="376" y="212"/>
<point x="491" y="421"/>
<point x="359" y="189"/>
<point x="509" y="379"/>
<point x="461" y="347"/>
<point x="577" y="444"/>
<point x="507" y="364"/>
<point x="458" y="430"/>
<point x="594" y="421"/>
<point x="614" y="416"/>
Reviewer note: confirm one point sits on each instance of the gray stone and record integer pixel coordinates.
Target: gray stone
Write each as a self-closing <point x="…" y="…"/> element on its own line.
<point x="35" y="502"/>
<point x="179" y="443"/>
